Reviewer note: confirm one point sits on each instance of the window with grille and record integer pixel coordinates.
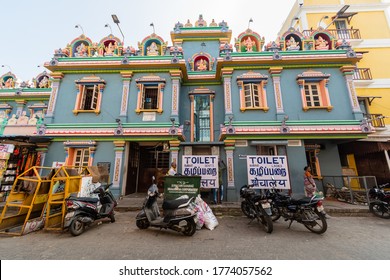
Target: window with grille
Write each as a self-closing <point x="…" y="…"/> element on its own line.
<point x="81" y="157"/>
<point x="252" y="89"/>
<point x="89" y="95"/>
<point x="252" y="96"/>
<point x="313" y="87"/>
<point x="150" y="94"/>
<point x="312" y="95"/>
<point x="150" y="98"/>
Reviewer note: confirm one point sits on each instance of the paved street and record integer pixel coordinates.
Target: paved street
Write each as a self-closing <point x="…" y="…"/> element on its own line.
<point x="346" y="238"/>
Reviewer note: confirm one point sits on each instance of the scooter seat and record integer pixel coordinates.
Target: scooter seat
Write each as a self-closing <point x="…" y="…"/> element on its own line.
<point x="173" y="204"/>
<point x="86" y="199"/>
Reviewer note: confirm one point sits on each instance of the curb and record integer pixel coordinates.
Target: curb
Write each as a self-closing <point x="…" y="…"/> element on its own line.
<point x="236" y="211"/>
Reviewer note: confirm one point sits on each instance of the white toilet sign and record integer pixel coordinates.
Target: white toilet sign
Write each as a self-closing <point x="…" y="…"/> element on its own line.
<point x="266" y="172"/>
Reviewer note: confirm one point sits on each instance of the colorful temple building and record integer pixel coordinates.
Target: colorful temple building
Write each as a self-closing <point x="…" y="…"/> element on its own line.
<point x="365" y="24"/>
<point x="136" y="110"/>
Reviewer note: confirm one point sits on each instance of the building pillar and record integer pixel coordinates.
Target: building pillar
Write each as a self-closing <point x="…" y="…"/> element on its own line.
<point x="348" y="72"/>
<point x="275" y="74"/>
<point x="174" y="154"/>
<point x="41" y="150"/>
<point x="176" y="78"/>
<point x="126" y="79"/>
<point x="229" y="148"/>
<point x="118" y="163"/>
<point x="227" y="86"/>
<point x="55" y="84"/>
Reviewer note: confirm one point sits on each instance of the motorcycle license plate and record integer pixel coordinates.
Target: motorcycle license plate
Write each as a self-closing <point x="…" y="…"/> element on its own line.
<point x="266" y="205"/>
<point x="320" y="208"/>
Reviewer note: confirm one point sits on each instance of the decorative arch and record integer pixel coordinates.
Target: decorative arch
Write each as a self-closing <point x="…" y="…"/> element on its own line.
<point x="292" y="40"/>
<point x="152" y="45"/>
<point x="201" y="62"/>
<point x="7" y="80"/>
<point x="322" y="40"/>
<point x="110" y="46"/>
<point x="249" y="41"/>
<point x="80" y="47"/>
<point x="42" y="80"/>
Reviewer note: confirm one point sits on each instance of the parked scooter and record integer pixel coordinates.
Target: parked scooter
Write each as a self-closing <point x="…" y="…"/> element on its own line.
<point x="380" y="201"/>
<point x="256" y="206"/>
<point x="83" y="211"/>
<point x="175" y="215"/>
<point x="308" y="211"/>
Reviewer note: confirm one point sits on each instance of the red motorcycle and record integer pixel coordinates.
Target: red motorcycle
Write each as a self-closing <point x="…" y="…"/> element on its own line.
<point x="380" y="201"/>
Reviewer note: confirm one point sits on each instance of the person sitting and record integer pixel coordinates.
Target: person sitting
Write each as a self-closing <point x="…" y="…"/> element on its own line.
<point x="152" y="49"/>
<point x="321" y="44"/>
<point x="292" y="45"/>
<point x="172" y="170"/>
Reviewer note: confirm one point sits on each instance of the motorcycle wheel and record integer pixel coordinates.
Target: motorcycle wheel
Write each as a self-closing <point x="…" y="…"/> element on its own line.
<point x="142" y="224"/>
<point x="245" y="208"/>
<point x="315" y="221"/>
<point x="380" y="210"/>
<point x="266" y="221"/>
<point x="190" y="228"/>
<point x="112" y="217"/>
<point x="76" y="227"/>
<point x="275" y="213"/>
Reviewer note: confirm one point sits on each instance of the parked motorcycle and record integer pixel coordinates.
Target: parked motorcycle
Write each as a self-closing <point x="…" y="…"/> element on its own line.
<point x="256" y="206"/>
<point x="83" y="211"/>
<point x="308" y="211"/>
<point x="175" y="215"/>
<point x="379" y="201"/>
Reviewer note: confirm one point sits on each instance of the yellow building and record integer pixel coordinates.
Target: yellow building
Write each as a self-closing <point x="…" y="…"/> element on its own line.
<point x="365" y="24"/>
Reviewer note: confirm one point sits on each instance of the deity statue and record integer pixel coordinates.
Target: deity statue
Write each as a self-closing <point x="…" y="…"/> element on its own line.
<point x="81" y="50"/>
<point x="201" y="65"/>
<point x="292" y="45"/>
<point x="321" y="44"/>
<point x="152" y="49"/>
<point x="249" y="44"/>
<point x="8" y="83"/>
<point x="23" y="119"/>
<point x="33" y="120"/>
<point x="110" y="49"/>
<point x="44" y="83"/>
<point x="12" y="120"/>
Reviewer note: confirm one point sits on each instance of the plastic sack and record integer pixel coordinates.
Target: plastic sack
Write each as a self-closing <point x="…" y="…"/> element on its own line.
<point x="210" y="221"/>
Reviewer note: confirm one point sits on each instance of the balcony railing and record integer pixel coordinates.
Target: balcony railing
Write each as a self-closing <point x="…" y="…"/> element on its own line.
<point x="362" y="74"/>
<point x="377" y="120"/>
<point x="347" y="34"/>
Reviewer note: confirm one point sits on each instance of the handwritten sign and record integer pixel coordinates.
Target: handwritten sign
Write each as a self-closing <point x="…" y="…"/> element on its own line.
<point x="204" y="166"/>
<point x="265" y="172"/>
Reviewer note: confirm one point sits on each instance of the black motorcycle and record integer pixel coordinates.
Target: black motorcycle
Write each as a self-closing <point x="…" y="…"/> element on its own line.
<point x="83" y="211"/>
<point x="256" y="206"/>
<point x="379" y="201"/>
<point x="308" y="211"/>
<point x="175" y="215"/>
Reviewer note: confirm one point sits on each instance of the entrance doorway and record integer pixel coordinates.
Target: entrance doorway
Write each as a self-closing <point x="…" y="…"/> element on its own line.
<point x="153" y="162"/>
<point x="132" y="168"/>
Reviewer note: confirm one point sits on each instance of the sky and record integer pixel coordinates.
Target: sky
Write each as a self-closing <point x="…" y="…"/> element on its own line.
<point x="32" y="30"/>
